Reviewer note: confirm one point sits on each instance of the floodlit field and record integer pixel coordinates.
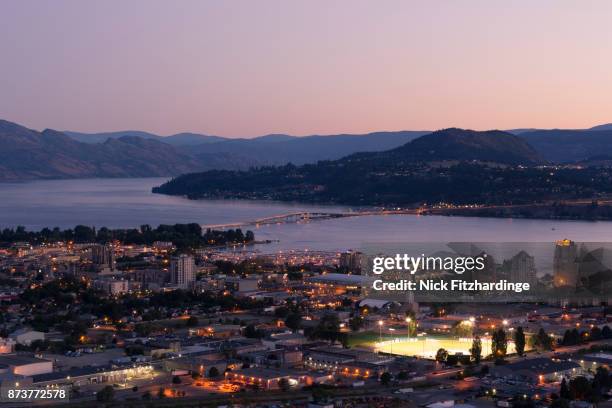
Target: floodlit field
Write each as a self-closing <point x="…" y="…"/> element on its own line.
<point x="428" y="346"/>
<point x="367" y="338"/>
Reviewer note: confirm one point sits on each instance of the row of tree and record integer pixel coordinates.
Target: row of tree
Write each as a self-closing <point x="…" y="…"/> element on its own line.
<point x="182" y="235"/>
<point x="499" y="346"/>
<point x="574" y="337"/>
<point x="581" y="388"/>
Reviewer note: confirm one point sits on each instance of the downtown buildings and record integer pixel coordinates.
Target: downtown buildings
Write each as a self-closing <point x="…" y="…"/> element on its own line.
<point x="182" y="271"/>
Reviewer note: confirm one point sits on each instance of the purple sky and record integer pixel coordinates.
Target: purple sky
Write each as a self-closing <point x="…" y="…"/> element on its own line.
<point x="245" y="68"/>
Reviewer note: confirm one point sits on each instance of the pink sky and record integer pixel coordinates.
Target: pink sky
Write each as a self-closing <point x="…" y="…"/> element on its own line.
<point x="245" y="68"/>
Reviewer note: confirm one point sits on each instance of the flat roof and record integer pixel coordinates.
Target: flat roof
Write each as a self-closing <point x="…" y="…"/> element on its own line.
<point x="81" y="371"/>
<point x="339" y="277"/>
<point x="20" y="359"/>
<point x="267" y="373"/>
<point x="285" y="336"/>
<point x="541" y="365"/>
<point x="598" y="357"/>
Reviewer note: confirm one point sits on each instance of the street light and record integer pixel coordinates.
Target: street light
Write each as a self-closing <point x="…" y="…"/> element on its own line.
<point x="380" y="324"/>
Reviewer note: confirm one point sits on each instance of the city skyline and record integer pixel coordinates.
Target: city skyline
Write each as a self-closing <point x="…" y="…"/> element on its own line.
<point x="406" y="254"/>
<point x="249" y="69"/>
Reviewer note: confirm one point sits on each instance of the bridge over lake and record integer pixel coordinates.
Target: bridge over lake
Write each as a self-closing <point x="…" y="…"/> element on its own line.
<point x="307" y="216"/>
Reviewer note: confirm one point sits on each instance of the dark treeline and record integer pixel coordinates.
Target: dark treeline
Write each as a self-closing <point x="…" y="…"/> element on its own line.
<point x="182" y="235"/>
<point x="384" y="182"/>
<point x="574" y="336"/>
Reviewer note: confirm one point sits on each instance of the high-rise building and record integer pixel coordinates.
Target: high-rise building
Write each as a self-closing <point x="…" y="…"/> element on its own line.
<point x="522" y="268"/>
<point x="182" y="271"/>
<point x="103" y="256"/>
<point x="352" y="261"/>
<point x="489" y="272"/>
<point x="565" y="265"/>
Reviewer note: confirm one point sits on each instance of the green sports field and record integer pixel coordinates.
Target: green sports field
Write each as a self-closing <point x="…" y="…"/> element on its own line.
<point x="425" y="347"/>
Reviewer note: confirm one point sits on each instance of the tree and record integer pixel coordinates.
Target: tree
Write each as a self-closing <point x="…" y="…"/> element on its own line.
<point x="602" y="377"/>
<point x="441" y="355"/>
<point x="476" y="350"/>
<point x="106" y="394"/>
<point x="356" y="323"/>
<point x="542" y="341"/>
<point x="560" y="403"/>
<point x="251" y="332"/>
<point x="281" y="312"/>
<point x="343" y="338"/>
<point x="328" y="328"/>
<point x="385" y="378"/>
<point x="283" y="384"/>
<point x="564" y="391"/>
<point x="596" y="333"/>
<point x="522" y="402"/>
<point x="519" y="341"/>
<point x="176" y="379"/>
<point x="213" y="372"/>
<point x="606" y="333"/>
<point x="192" y="321"/>
<point x="464" y="328"/>
<point x="499" y="343"/>
<point x="580" y="388"/>
<point x="571" y="337"/>
<point x="320" y="394"/>
<point x="452" y="360"/>
<point x="293" y="321"/>
<point x="402" y="375"/>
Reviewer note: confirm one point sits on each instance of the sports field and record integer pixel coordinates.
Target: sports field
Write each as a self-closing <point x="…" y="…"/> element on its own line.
<point x="425" y="347"/>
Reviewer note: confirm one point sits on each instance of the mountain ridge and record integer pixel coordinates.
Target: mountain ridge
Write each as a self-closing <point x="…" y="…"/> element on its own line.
<point x="465" y="144"/>
<point x="405" y="175"/>
<point x="31" y="154"/>
<point x="28" y="154"/>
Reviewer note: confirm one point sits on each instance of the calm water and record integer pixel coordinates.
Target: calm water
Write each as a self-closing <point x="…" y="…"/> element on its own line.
<point x="130" y="203"/>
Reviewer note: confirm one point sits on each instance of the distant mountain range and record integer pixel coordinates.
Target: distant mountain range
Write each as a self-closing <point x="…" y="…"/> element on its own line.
<point x="179" y="139"/>
<point x="452" y="166"/>
<point x="29" y="154"/>
<point x="566" y="146"/>
<point x="272" y="149"/>
<point x="555" y="145"/>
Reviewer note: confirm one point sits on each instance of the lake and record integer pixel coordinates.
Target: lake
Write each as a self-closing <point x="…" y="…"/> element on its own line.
<point x="121" y="203"/>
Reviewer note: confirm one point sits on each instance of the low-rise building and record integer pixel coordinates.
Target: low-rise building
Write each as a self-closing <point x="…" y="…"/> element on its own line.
<point x="337" y="283"/>
<point x="219" y="331"/>
<point x="25" y="336"/>
<point x="277" y="340"/>
<point x="269" y="378"/>
<point x="238" y="284"/>
<point x="7" y="345"/>
<point x="200" y="364"/>
<point x="112" y="286"/>
<point x="537" y="370"/>
<point x="115" y="373"/>
<point x="25" y="365"/>
<point x="590" y="362"/>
